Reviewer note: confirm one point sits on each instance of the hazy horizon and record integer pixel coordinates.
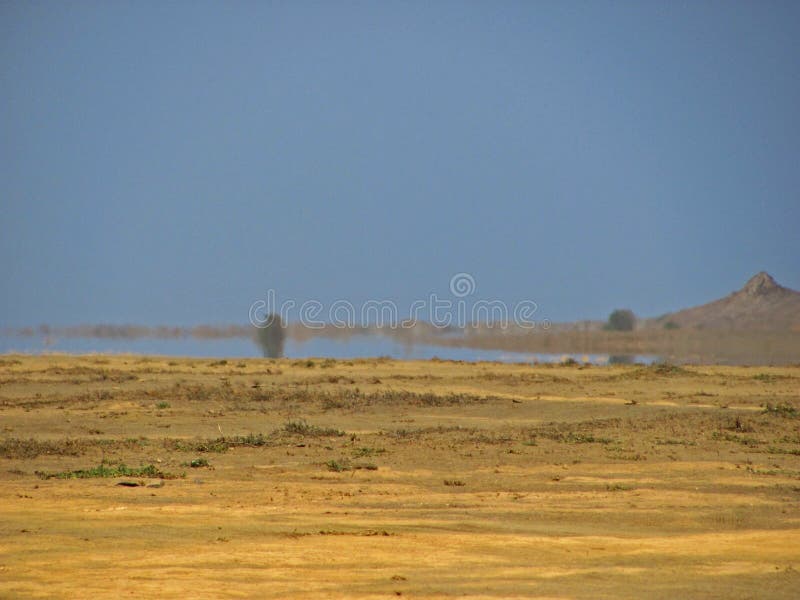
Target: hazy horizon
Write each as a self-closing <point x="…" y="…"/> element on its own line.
<point x="360" y="312"/>
<point x="170" y="163"/>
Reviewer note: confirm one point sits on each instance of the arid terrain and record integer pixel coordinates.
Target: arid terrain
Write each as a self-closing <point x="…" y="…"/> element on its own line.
<point x="129" y="476"/>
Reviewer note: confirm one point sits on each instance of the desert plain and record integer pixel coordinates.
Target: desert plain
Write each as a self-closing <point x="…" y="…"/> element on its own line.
<point x="161" y="477"/>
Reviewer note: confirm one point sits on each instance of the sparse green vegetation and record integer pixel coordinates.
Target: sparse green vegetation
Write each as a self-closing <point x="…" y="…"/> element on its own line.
<point x="765" y="377"/>
<point x="221" y="444"/>
<point x="362" y="452"/>
<point x="104" y="470"/>
<point x="790" y="451"/>
<point x="739" y="439"/>
<point x="301" y="427"/>
<point x="338" y="465"/>
<point x="344" y="464"/>
<point x="218" y="445"/>
<point x="251" y="440"/>
<point x="572" y="437"/>
<point x="618" y="487"/>
<point x="781" y="410"/>
<point x="16" y="448"/>
<point x="674" y="442"/>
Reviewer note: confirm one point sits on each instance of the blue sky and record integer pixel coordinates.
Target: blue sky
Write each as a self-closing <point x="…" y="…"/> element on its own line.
<point x="170" y="162"/>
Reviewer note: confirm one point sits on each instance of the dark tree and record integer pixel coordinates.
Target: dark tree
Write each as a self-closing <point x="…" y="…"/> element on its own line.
<point x="621" y="319"/>
<point x="270" y="336"/>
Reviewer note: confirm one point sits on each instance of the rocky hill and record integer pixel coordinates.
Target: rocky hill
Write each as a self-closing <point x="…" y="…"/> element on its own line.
<point x="762" y="304"/>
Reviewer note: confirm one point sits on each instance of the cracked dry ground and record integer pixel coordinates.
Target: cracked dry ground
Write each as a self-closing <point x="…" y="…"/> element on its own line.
<point x="378" y="478"/>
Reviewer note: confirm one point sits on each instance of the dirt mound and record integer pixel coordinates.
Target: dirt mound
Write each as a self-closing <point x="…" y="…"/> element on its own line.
<point x="762" y="304"/>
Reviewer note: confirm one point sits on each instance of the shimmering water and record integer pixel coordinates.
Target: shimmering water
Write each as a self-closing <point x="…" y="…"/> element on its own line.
<point x="359" y="346"/>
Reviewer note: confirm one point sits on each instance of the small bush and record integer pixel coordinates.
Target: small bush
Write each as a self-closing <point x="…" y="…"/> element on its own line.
<point x="738" y="439"/>
<point x="251" y="440"/>
<point x="621" y="319"/>
<point x="344" y="464"/>
<point x="618" y="487"/>
<point x="301" y="427"/>
<point x="769" y="377"/>
<point x="361" y="452"/>
<point x="338" y="465"/>
<point x="586" y="438"/>
<point x="18" y="448"/>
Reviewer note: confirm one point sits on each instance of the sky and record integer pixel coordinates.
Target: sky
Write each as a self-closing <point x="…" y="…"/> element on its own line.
<point x="168" y="163"/>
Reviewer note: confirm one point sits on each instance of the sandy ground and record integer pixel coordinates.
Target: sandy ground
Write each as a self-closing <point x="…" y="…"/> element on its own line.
<point x="379" y="478"/>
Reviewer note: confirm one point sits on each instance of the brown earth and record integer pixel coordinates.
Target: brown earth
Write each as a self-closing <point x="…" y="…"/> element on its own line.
<point x="378" y="478"/>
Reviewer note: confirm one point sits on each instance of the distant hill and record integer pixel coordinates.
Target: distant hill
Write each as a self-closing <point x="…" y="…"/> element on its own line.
<point x="762" y="304"/>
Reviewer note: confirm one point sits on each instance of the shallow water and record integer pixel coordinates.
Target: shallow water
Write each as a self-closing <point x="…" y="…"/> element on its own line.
<point x="359" y="346"/>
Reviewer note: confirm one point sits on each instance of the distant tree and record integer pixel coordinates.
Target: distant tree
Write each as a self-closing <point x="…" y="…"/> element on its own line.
<point x="271" y="335"/>
<point x="621" y="319"/>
